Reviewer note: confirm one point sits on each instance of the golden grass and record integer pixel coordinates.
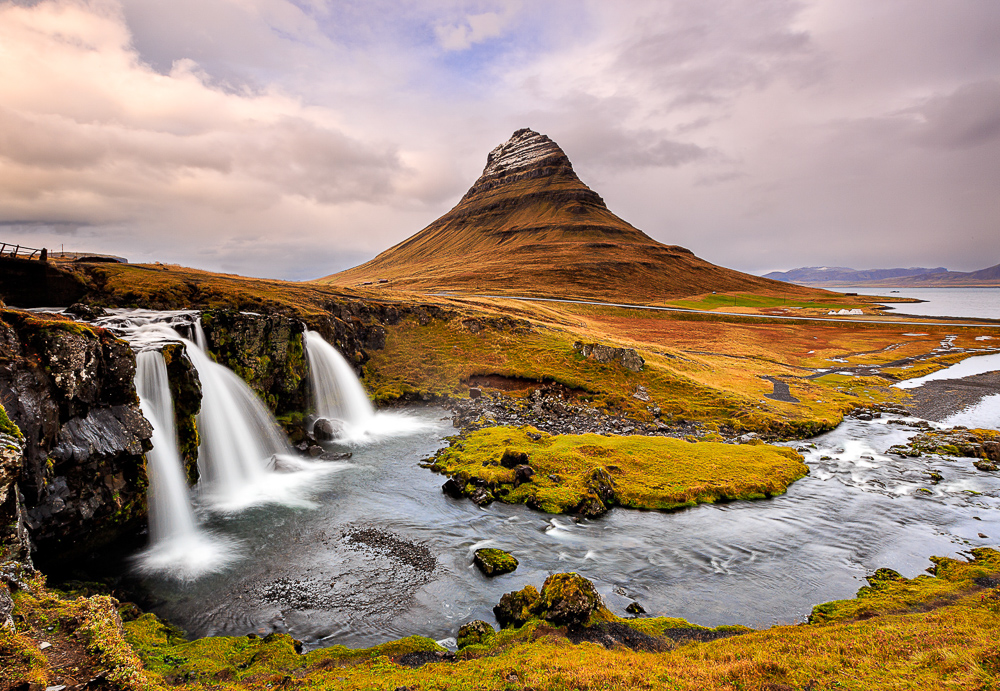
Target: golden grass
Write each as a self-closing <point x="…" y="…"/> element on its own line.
<point x="640" y="472"/>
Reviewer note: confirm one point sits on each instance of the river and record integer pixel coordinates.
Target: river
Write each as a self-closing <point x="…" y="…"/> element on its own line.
<point x="384" y="553"/>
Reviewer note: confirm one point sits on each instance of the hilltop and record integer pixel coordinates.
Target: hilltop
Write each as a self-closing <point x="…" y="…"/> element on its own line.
<point x="529" y="226"/>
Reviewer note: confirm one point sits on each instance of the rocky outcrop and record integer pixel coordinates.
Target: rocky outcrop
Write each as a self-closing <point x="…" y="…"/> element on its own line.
<point x="266" y="350"/>
<point x="626" y="357"/>
<point x="185" y="390"/>
<point x="14" y="543"/>
<point x="567" y="599"/>
<point x="69" y="388"/>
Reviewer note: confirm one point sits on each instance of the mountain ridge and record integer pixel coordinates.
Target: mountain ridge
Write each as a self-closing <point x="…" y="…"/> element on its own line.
<point x="914" y="277"/>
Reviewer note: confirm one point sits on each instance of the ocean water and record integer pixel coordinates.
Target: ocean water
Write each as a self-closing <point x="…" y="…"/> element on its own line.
<point x="983" y="303"/>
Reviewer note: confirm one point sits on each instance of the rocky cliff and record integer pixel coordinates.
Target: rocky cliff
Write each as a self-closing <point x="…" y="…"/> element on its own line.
<point x="69" y="388"/>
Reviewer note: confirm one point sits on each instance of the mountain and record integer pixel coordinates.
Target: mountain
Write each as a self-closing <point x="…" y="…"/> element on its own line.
<point x="529" y="226"/>
<point x="841" y="275"/>
<point x="891" y="278"/>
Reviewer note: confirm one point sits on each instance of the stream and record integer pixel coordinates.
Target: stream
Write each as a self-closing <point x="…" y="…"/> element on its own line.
<point x="380" y="552"/>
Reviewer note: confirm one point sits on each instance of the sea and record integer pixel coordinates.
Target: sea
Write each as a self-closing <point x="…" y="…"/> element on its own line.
<point x="983" y="303"/>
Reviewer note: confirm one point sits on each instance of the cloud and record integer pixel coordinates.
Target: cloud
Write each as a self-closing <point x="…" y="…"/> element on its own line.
<point x="276" y="137"/>
<point x="968" y="117"/>
<point x="473" y="28"/>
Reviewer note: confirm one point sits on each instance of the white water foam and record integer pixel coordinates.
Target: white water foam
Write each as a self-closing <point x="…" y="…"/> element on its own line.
<point x="339" y="395"/>
<point x="178" y="547"/>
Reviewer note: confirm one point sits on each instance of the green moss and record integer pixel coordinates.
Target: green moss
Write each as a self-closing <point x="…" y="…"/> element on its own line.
<point x="7" y="426"/>
<point x="494" y="562"/>
<point x="573" y="472"/>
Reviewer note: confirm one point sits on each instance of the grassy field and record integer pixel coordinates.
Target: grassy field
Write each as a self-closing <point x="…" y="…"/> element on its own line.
<point x="633" y="471"/>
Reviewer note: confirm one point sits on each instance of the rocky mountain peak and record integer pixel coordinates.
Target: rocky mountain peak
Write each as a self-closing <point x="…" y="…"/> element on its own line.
<point x="525" y="149"/>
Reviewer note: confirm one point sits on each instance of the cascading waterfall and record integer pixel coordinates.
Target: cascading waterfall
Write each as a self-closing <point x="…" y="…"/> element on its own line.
<point x="339" y="395"/>
<point x="170" y="513"/>
<point x="177" y="545"/>
<point x="337" y="392"/>
<point x="240" y="441"/>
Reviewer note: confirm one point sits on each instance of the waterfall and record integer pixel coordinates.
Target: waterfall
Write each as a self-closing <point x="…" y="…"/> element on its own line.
<point x="337" y="393"/>
<point x="170" y="514"/>
<point x="199" y="335"/>
<point x="240" y="441"/>
<point x="178" y="548"/>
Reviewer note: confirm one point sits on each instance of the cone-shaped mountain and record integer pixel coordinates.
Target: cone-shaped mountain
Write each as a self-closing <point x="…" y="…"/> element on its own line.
<point x="529" y="226"/>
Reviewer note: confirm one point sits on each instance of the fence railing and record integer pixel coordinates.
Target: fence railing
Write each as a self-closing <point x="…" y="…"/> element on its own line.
<point x="12" y="251"/>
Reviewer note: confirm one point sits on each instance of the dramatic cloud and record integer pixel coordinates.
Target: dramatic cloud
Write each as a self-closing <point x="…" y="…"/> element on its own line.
<point x="292" y="139"/>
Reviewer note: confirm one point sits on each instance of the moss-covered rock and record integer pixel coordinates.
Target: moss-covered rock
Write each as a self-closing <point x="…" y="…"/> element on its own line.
<point x="493" y="562"/>
<point x="266" y="350"/>
<point x="517" y="608"/>
<point x="185" y="389"/>
<point x="568" y="599"/>
<point x="476" y="632"/>
<point x="69" y="388"/>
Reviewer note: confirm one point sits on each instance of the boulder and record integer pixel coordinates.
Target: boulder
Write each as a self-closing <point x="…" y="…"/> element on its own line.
<point x="325" y="429"/>
<point x="475" y="632"/>
<point x="568" y="599"/>
<point x="493" y="562"/>
<point x="522" y="474"/>
<point x="452" y="489"/>
<point x="626" y="357"/>
<point x="516" y="608"/>
<point x="475" y="392"/>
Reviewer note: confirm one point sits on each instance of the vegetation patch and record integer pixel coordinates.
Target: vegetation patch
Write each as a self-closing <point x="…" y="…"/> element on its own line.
<point x="589" y="473"/>
<point x="494" y="562"/>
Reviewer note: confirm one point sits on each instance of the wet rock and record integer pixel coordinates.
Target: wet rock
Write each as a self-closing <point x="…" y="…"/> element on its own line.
<point x="512" y="459"/>
<point x="452" y="489"/>
<point x="85" y="312"/>
<point x="522" y="474"/>
<point x="635" y="608"/>
<point x="494" y="562"/>
<point x="986" y="466"/>
<point x="591" y="507"/>
<point x="325" y="429"/>
<point x="481" y="496"/>
<point x="420" y="658"/>
<point x="476" y="632"/>
<point x="568" y="599"/>
<point x="614" y="634"/>
<point x="602" y="484"/>
<point x="516" y="608"/>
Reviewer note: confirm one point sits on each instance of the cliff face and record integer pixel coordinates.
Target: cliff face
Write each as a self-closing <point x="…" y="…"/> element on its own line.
<point x="70" y="390"/>
<point x="530" y="226"/>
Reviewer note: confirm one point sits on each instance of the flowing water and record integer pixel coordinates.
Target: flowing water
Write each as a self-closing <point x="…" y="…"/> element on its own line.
<point x="385" y="554"/>
<point x="367" y="550"/>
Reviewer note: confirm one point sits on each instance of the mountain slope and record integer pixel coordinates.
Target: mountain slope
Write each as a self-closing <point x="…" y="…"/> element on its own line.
<point x="529" y="226"/>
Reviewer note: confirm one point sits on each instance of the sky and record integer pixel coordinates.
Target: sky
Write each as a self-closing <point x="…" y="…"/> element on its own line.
<point x="292" y="139"/>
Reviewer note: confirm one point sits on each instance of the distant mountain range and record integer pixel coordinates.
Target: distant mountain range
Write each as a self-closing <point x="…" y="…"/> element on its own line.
<point x="913" y="277"/>
<point x="530" y="226"/>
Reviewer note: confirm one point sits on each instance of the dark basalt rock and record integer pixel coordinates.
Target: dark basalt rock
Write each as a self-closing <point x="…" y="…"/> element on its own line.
<point x="266" y="350"/>
<point x="185" y="389"/>
<point x="70" y="390"/>
<point x="523" y="474"/>
<point x="328" y="430"/>
<point x="613" y="634"/>
<point x="452" y="489"/>
<point x="635" y="608"/>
